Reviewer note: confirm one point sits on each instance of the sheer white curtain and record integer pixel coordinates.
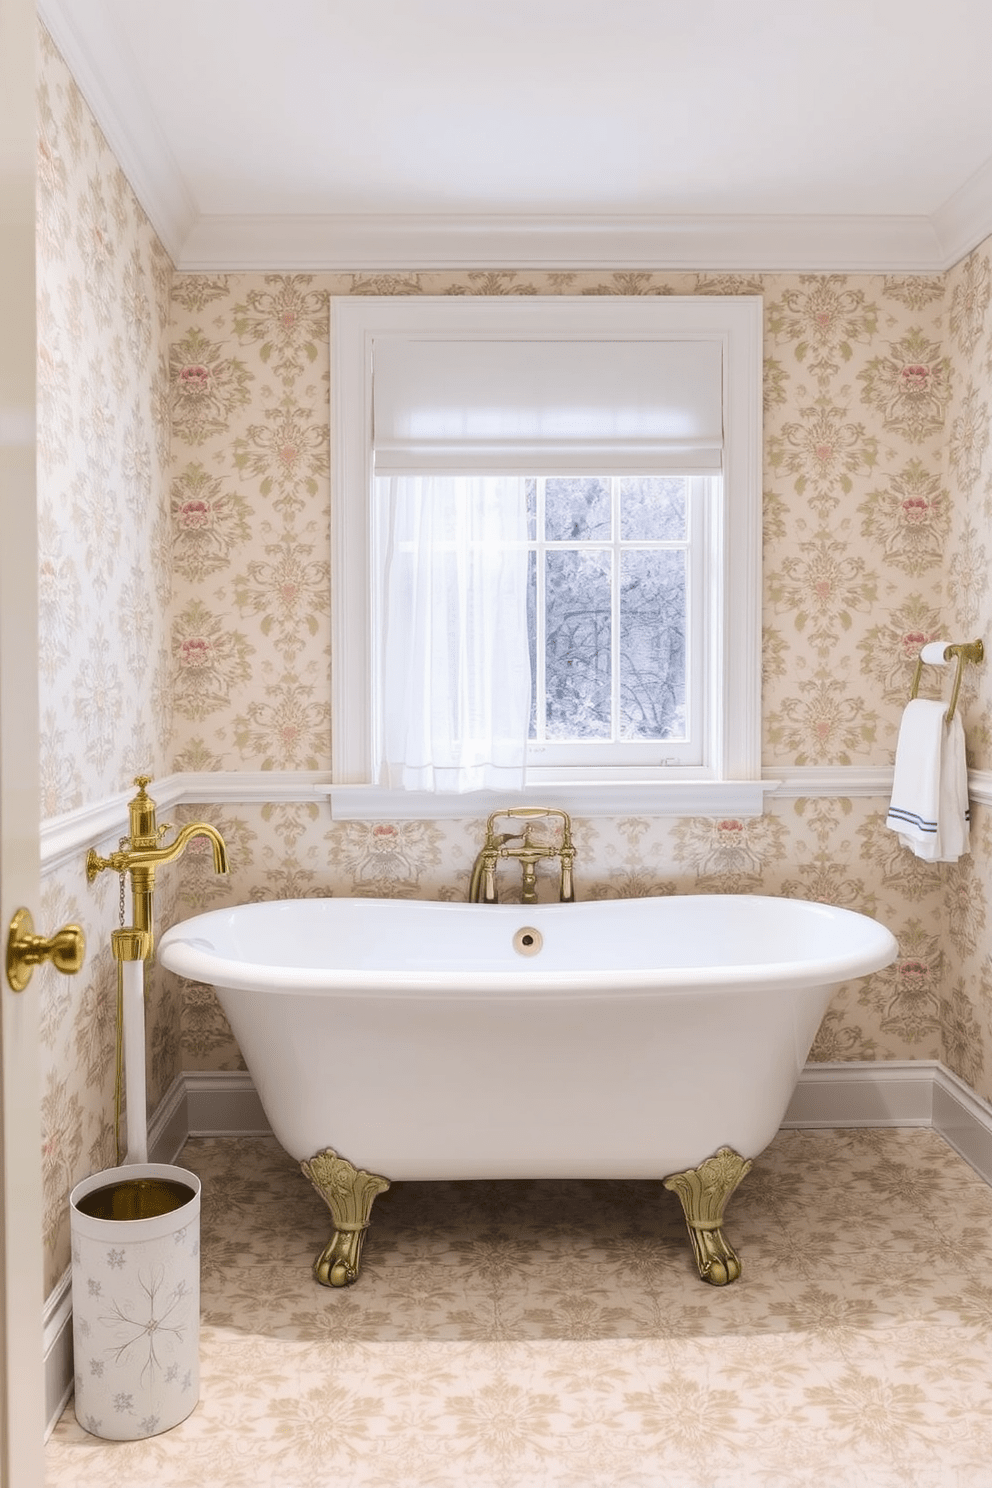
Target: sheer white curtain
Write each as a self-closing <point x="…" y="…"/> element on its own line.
<point x="455" y="656"/>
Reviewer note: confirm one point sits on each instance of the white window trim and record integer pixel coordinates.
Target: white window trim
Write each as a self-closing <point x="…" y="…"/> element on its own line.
<point x="732" y="783"/>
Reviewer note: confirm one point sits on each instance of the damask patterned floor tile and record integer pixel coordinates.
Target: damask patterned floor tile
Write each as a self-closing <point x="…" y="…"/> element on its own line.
<point x="556" y="1335"/>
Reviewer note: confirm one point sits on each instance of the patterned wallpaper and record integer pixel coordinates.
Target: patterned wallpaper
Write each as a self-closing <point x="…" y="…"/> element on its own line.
<point x="857" y="515"/>
<point x="185" y="619"/>
<point x="856" y="505"/>
<point x="104" y="589"/>
<point x="967" y="980"/>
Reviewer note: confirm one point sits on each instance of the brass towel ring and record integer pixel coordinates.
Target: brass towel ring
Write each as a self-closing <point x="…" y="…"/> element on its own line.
<point x="973" y="651"/>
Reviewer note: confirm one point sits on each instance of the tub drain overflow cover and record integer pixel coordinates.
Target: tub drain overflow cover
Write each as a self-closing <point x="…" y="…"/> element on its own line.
<point x="528" y="941"/>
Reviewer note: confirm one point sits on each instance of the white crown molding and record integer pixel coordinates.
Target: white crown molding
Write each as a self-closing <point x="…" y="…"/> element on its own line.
<point x="409" y="244"/>
<point x="399" y="243"/>
<point x="965" y="219"/>
<point x="123" y="114"/>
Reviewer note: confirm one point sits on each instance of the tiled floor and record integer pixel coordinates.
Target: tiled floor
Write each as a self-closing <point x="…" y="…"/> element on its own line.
<point x="556" y="1335"/>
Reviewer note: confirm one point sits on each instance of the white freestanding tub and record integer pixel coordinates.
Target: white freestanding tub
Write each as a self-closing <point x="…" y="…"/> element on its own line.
<point x="610" y="1039"/>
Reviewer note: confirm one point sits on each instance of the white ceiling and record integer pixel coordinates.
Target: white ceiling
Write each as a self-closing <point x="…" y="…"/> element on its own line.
<point x="371" y="134"/>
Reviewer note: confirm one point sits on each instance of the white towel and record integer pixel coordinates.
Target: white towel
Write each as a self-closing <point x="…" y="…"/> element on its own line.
<point x="929" y="807"/>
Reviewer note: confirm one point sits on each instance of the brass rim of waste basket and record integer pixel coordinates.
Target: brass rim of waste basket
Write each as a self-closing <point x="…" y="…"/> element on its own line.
<point x="136" y="1198"/>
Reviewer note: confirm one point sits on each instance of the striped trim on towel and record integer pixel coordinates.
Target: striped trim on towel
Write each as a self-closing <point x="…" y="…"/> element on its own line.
<point x="897" y="814"/>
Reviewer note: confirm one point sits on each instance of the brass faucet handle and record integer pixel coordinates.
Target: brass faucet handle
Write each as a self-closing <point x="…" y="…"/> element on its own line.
<point x="499" y="840"/>
<point x="141" y="811"/>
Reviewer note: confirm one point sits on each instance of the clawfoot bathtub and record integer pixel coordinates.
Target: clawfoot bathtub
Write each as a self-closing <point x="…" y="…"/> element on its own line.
<point x="626" y="1039"/>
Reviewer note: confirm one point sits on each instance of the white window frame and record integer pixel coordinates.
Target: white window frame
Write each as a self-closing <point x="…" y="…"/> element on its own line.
<point x="729" y="780"/>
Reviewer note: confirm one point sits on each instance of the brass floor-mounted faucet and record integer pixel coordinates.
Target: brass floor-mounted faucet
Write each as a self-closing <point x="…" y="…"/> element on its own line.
<point x="483" y="886"/>
<point x="143" y="851"/>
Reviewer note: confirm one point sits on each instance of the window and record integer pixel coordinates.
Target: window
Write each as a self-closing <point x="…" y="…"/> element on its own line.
<point x="599" y="461"/>
<point x="615" y="586"/>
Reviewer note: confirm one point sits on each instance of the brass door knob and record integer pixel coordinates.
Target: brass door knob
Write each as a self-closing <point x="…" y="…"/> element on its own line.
<point x="25" y="950"/>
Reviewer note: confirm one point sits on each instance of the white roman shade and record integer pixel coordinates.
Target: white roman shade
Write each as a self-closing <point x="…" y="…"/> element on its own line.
<point x="566" y="406"/>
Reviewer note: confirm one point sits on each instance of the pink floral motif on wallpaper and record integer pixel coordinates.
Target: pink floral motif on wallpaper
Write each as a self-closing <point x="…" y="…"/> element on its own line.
<point x="891" y="649"/>
<point x="210" y="661"/>
<point x="727" y="852"/>
<point x="909" y="518"/>
<point x="910" y="387"/>
<point x="907" y="995"/>
<point x="209" y="521"/>
<point x="386" y="858"/>
<point x="207" y="387"/>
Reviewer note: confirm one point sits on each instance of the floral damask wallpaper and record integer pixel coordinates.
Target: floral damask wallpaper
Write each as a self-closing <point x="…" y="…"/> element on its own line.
<point x="104" y="590"/>
<point x="857" y="517"/>
<point x="857" y="509"/>
<point x="185" y="612"/>
<point x="967" y="984"/>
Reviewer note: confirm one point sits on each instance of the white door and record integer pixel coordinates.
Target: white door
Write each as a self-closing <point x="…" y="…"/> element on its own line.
<point x="21" y="1380"/>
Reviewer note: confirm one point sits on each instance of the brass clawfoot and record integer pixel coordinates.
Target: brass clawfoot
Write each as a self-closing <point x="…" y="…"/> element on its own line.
<point x="703" y="1192"/>
<point x="349" y="1193"/>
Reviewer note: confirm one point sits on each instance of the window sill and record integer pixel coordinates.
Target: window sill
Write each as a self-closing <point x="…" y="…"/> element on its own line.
<point x="579" y="798"/>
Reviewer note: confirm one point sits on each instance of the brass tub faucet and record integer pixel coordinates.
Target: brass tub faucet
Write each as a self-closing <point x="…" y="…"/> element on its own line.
<point x="482" y="889"/>
<point x="143" y="851"/>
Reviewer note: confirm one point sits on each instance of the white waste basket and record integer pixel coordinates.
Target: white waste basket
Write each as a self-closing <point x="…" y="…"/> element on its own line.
<point x="136" y="1299"/>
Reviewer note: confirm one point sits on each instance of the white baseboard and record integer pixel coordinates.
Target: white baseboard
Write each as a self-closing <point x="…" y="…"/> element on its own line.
<point x="223" y="1104"/>
<point x="897" y="1093"/>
